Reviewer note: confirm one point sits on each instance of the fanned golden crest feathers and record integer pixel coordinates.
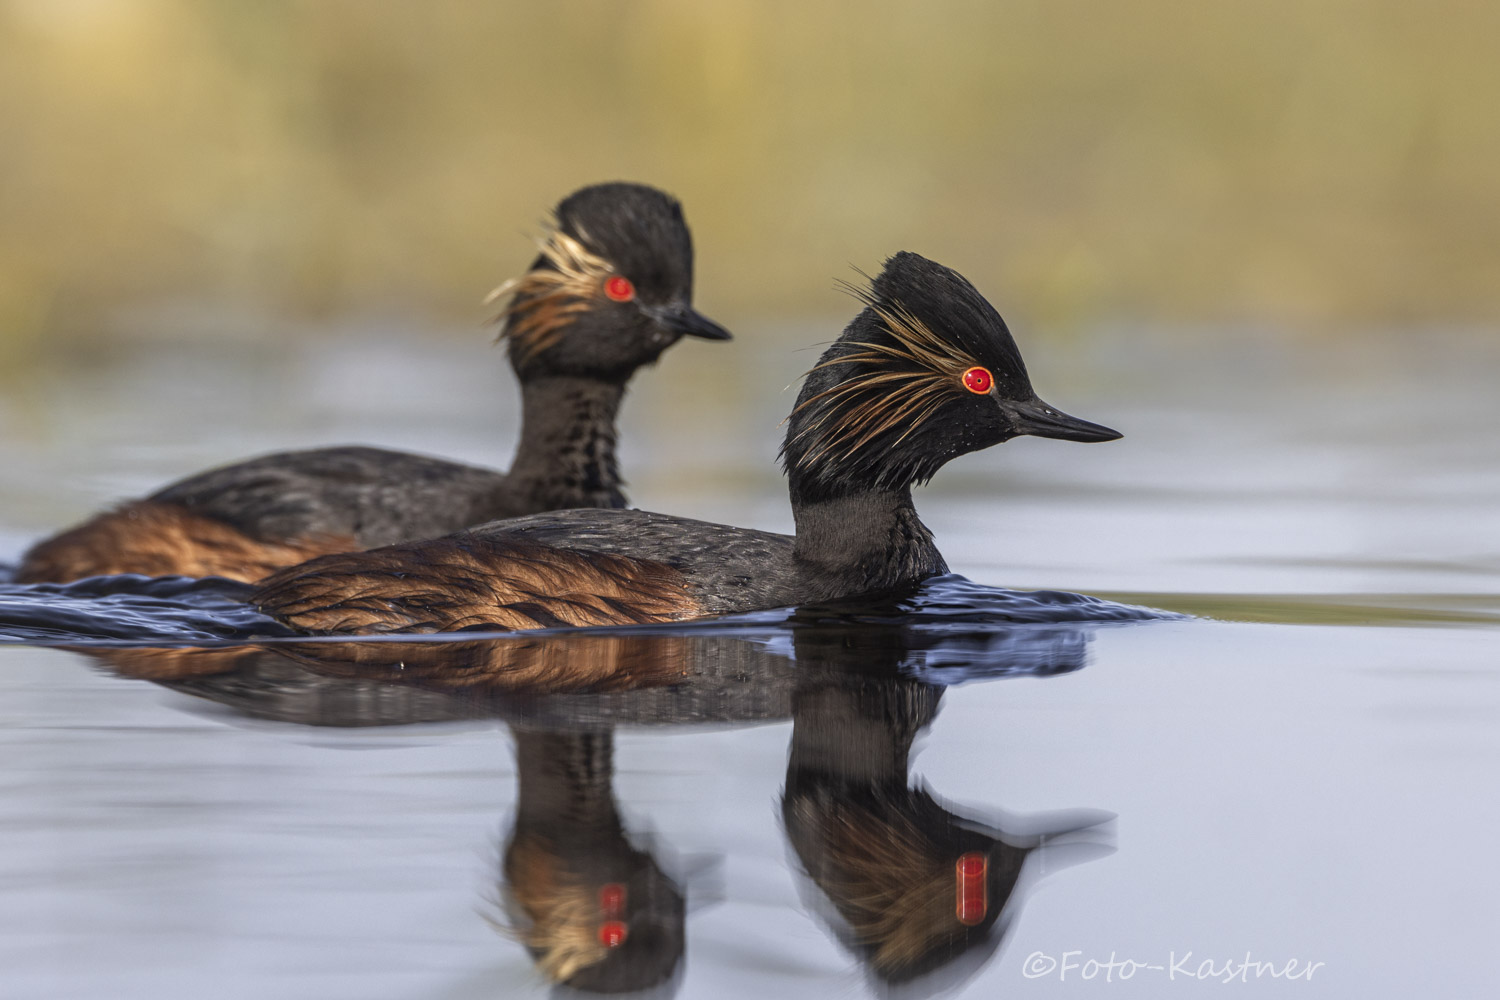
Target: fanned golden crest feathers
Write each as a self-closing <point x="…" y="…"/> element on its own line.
<point x="545" y="299"/>
<point x="885" y="386"/>
<point x="891" y="400"/>
<point x="616" y="268"/>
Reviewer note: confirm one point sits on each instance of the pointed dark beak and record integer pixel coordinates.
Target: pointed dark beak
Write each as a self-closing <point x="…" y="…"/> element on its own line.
<point x="683" y="319"/>
<point x="1037" y="418"/>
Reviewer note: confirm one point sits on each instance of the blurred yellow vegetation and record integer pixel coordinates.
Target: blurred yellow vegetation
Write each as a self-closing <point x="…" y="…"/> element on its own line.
<point x="1308" y="162"/>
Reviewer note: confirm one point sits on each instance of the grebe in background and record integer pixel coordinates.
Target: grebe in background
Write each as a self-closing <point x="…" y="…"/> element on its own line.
<point x="610" y="291"/>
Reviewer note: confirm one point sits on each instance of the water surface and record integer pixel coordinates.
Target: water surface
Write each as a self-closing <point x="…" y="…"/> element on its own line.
<point x="1303" y="771"/>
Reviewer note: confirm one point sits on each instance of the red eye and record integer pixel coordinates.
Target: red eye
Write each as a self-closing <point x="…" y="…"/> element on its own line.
<point x="612" y="933"/>
<point x="619" y="288"/>
<point x="978" y="380"/>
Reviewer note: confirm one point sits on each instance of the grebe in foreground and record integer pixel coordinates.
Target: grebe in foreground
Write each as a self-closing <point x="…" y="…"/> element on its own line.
<point x="610" y="291"/>
<point x="926" y="372"/>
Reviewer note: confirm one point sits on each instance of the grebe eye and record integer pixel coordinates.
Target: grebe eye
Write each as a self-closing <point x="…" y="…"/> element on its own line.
<point x="612" y="933"/>
<point x="978" y="380"/>
<point x="619" y="289"/>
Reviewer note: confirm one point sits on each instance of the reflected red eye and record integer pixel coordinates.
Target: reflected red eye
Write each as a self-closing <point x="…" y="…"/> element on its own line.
<point x="972" y="892"/>
<point x="978" y="380"/>
<point x="612" y="899"/>
<point x="612" y="933"/>
<point x="620" y="289"/>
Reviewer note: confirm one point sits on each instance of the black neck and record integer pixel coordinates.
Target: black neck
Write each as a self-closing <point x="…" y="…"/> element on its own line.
<point x="564" y="782"/>
<point x="566" y="456"/>
<point x="865" y="542"/>
<point x="858" y="734"/>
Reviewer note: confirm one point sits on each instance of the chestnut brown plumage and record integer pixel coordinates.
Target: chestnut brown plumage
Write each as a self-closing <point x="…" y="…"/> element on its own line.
<point x="159" y="539"/>
<point x="453" y="586"/>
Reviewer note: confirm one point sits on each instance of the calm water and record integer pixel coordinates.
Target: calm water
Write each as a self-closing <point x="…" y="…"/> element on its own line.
<point x="1305" y="771"/>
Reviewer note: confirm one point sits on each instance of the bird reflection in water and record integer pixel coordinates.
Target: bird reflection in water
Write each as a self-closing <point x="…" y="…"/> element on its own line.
<point x="595" y="912"/>
<point x="920" y="893"/>
<point x="565" y="680"/>
<point x="915" y="890"/>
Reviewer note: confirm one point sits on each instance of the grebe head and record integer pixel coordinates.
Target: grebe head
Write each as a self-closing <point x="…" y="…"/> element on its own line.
<point x="611" y="290"/>
<point x="926" y="372"/>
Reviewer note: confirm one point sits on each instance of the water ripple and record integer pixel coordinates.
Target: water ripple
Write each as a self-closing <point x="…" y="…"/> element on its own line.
<point x="130" y="608"/>
<point x="135" y="609"/>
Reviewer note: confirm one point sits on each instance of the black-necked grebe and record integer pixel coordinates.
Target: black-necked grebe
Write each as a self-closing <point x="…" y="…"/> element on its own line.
<point x="610" y="291"/>
<point x="926" y="372"/>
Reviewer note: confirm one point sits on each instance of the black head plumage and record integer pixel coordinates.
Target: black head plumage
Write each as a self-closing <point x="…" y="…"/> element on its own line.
<point x="927" y="371"/>
<point x="955" y="311"/>
<point x="611" y="289"/>
<point x="638" y="230"/>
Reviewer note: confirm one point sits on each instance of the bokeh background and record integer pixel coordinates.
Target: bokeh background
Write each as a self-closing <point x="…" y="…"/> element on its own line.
<point x="1325" y="165"/>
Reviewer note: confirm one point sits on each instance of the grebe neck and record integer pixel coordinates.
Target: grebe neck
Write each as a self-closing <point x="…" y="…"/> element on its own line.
<point x="866" y="541"/>
<point x="565" y="780"/>
<point x="566" y="456"/>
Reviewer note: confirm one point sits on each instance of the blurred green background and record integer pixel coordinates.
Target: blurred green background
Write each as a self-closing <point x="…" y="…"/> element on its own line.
<point x="1315" y="166"/>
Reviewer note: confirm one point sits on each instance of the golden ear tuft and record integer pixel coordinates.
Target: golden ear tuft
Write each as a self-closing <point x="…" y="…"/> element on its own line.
<point x="544" y="300"/>
<point x="901" y="383"/>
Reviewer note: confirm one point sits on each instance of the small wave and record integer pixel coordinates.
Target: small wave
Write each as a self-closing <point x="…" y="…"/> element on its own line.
<point x="956" y="598"/>
<point x="131" y="608"/>
<point x="201" y="638"/>
<point x="947" y="612"/>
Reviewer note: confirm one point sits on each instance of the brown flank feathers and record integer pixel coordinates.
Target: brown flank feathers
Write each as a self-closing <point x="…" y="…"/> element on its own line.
<point x="545" y="300"/>
<point x="161" y="539"/>
<point x="906" y="383"/>
<point x="465" y="581"/>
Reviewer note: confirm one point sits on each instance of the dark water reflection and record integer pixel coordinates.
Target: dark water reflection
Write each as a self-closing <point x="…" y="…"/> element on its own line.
<point x="919" y="894"/>
<point x="732" y="669"/>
